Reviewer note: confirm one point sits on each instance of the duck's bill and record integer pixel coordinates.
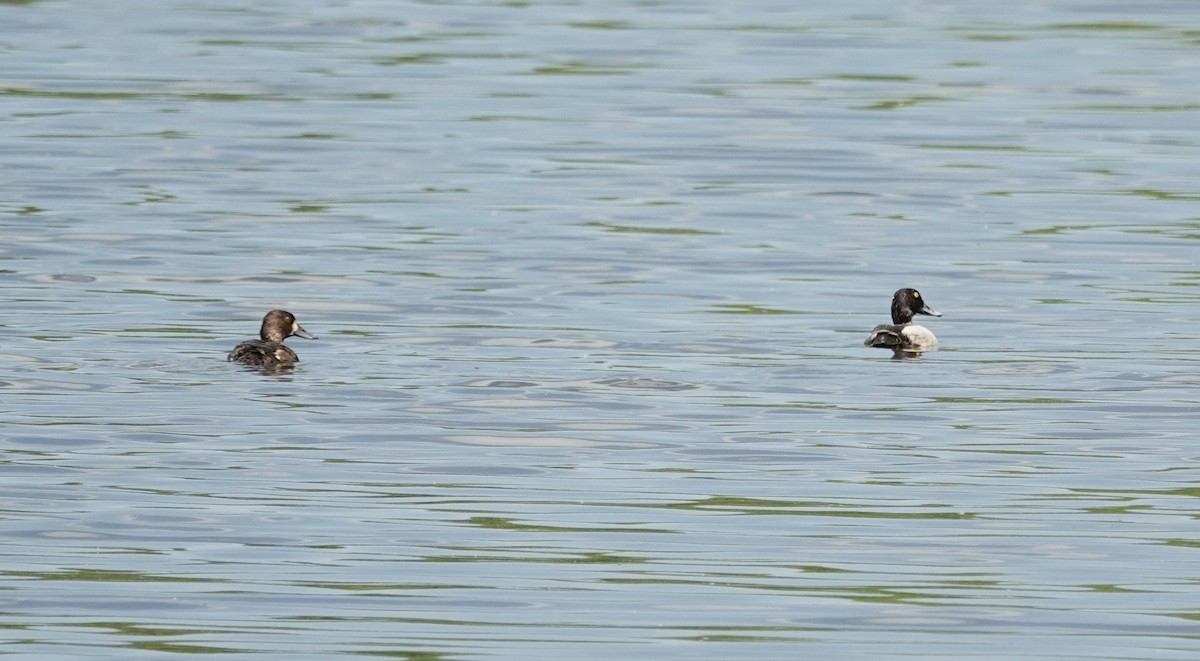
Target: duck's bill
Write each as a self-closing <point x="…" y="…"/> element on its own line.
<point x="925" y="309"/>
<point x="300" y="332"/>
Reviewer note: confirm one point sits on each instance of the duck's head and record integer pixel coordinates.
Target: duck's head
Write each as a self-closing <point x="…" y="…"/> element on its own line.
<point x="908" y="302"/>
<point x="281" y="324"/>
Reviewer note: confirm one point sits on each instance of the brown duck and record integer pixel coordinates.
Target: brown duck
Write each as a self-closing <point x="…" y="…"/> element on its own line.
<point x="269" y="350"/>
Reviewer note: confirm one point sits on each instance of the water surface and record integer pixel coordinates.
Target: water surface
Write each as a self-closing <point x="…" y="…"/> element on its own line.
<point x="591" y="281"/>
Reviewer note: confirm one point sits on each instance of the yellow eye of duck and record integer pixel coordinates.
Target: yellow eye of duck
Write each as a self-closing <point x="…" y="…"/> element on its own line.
<point x="916" y="294"/>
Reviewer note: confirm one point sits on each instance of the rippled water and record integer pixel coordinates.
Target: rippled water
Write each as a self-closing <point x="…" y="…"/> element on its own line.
<point x="591" y="281"/>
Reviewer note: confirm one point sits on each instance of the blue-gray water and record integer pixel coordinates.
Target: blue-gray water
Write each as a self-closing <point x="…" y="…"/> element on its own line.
<point x="591" y="281"/>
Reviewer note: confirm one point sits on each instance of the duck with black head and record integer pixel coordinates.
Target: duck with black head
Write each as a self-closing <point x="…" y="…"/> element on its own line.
<point x="903" y="336"/>
<point x="269" y="351"/>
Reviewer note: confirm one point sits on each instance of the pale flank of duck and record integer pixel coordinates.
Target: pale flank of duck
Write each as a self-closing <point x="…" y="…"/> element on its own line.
<point x="917" y="338"/>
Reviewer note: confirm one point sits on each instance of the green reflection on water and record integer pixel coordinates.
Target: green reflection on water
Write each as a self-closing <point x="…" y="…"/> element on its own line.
<point x="1161" y="195"/>
<point x="502" y="523"/>
<point x="581" y="69"/>
<point x="1116" y="589"/>
<point x="872" y="594"/>
<point x="375" y="587"/>
<point x="975" y="147"/>
<point x="1106" y="26"/>
<point x="1005" y="400"/>
<point x="47" y="94"/>
<point x="508" y="118"/>
<point x="116" y="576"/>
<point x="874" y="77"/>
<point x="906" y="102"/>
<point x="416" y="58"/>
<point x="1124" y="509"/>
<point x="132" y="629"/>
<point x="124" y="96"/>
<point x="732" y="638"/>
<point x="746" y="308"/>
<point x="994" y="37"/>
<point x="635" y="229"/>
<point x="601" y="25"/>
<point x="590" y="558"/>
<point x="412" y="656"/>
<point x="805" y="508"/>
<point x="1057" y="229"/>
<point x="177" y="648"/>
<point x="171" y="330"/>
<point x="1152" y="107"/>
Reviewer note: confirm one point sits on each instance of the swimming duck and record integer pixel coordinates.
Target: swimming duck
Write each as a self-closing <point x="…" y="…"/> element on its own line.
<point x="269" y="351"/>
<point x="903" y="335"/>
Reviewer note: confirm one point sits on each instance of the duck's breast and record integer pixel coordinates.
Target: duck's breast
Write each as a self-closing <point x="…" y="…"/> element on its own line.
<point x="918" y="337"/>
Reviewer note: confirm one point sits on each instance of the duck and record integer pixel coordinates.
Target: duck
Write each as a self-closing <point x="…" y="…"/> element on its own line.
<point x="902" y="335"/>
<point x="269" y="351"/>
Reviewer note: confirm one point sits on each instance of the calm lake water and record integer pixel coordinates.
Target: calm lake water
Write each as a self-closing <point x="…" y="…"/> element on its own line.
<point x="591" y="281"/>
